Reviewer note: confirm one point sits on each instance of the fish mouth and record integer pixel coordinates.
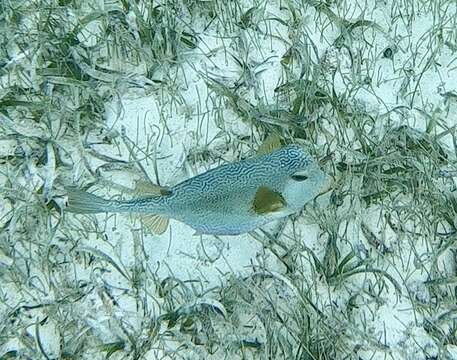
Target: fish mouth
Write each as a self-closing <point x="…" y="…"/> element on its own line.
<point x="328" y="185"/>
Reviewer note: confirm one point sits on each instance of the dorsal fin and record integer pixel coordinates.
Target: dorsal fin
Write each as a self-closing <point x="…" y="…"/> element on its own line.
<point x="267" y="201"/>
<point x="147" y="188"/>
<point x="271" y="143"/>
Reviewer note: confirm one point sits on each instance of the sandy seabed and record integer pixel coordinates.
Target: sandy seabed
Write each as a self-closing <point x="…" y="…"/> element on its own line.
<point x="102" y="94"/>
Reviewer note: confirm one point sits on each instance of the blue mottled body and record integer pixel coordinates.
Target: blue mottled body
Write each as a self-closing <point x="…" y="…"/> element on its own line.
<point x="220" y="201"/>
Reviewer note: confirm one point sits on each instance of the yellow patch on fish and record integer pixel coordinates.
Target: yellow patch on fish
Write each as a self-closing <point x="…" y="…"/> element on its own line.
<point x="267" y="201"/>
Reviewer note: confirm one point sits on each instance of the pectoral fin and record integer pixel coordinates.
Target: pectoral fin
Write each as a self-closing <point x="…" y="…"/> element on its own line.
<point x="156" y="223"/>
<point x="270" y="144"/>
<point x="146" y="188"/>
<point x="268" y="201"/>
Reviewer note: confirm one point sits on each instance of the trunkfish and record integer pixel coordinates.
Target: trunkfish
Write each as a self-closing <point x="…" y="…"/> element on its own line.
<point x="230" y="199"/>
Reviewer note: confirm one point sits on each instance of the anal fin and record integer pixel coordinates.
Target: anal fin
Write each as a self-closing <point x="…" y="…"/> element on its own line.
<point x="157" y="224"/>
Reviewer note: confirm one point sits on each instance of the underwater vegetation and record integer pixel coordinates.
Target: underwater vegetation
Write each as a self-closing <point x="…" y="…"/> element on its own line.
<point x="162" y="106"/>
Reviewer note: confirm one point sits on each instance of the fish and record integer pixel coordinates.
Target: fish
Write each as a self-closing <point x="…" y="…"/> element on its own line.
<point x="230" y="199"/>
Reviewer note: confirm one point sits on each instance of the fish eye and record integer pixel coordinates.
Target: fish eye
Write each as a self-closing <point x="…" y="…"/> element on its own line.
<point x="299" y="177"/>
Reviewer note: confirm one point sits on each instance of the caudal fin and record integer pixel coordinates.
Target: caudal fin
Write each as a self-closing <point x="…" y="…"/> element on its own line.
<point x="82" y="202"/>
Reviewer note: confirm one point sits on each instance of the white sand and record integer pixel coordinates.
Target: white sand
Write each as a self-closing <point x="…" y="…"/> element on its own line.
<point x="186" y="117"/>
